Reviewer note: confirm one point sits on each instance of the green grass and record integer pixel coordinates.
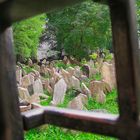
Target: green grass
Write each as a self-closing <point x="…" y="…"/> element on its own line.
<point x="50" y="132"/>
<point x="111" y="103"/>
<point x="56" y="133"/>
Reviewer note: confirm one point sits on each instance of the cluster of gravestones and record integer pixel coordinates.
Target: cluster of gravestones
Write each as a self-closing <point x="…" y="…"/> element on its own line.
<point x="57" y="81"/>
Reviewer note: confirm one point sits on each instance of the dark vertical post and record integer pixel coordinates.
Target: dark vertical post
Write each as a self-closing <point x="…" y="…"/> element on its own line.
<point x="127" y="58"/>
<point x="10" y="118"/>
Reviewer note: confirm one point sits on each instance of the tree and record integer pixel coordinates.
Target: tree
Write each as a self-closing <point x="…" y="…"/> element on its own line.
<point x="26" y="36"/>
<point x="82" y="28"/>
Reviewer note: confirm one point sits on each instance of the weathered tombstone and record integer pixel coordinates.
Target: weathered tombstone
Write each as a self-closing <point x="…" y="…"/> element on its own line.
<point x="36" y="74"/>
<point x="31" y="77"/>
<point x="23" y="94"/>
<point x="91" y="63"/>
<point x="44" y="62"/>
<point x="65" y="73"/>
<point x="77" y="72"/>
<point x="59" y="92"/>
<point x="37" y="87"/>
<point x="108" y="74"/>
<point x="95" y="87"/>
<point x="52" y="71"/>
<point x="71" y="70"/>
<point x="83" y="78"/>
<point x="86" y="70"/>
<point x="46" y="86"/>
<point x="92" y="71"/>
<point x="34" y="98"/>
<point x="52" y="82"/>
<point x="18" y="74"/>
<point x="30" y="89"/>
<point x="85" y="90"/>
<point x="75" y="83"/>
<point x="25" y="81"/>
<point x="78" y="102"/>
<point x="30" y="63"/>
<point x="57" y="76"/>
<point x="101" y="97"/>
<point x="42" y="70"/>
<point x="106" y="87"/>
<point x="99" y="64"/>
<point x="36" y="67"/>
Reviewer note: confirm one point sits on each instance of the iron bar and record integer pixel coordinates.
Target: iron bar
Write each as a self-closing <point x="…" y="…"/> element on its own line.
<point x="10" y="118"/>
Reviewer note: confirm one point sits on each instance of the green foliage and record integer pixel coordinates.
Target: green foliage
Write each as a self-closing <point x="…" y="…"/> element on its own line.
<point x="108" y="57"/>
<point x="83" y="61"/>
<point x="46" y="103"/>
<point x="82" y="28"/>
<point x="93" y="56"/>
<point x="26" y="36"/>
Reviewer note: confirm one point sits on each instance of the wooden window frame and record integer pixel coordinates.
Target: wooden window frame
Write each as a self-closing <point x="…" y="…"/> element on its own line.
<point x="127" y="61"/>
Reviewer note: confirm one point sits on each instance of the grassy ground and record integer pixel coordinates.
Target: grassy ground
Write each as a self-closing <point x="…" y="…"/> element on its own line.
<point x="55" y="133"/>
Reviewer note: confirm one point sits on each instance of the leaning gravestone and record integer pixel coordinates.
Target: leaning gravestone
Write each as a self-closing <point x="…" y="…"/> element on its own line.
<point x="71" y="70"/>
<point x="77" y="72"/>
<point x="86" y="70"/>
<point x="78" y="102"/>
<point x="23" y="94"/>
<point x="25" y="81"/>
<point x="85" y="90"/>
<point x="101" y="97"/>
<point x="59" y="92"/>
<point x="31" y="77"/>
<point x="18" y="75"/>
<point x="37" y="87"/>
<point x="95" y="87"/>
<point x="108" y="74"/>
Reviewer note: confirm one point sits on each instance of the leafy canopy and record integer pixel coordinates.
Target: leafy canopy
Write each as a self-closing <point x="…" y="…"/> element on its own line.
<point x="82" y="28"/>
<point x="26" y="36"/>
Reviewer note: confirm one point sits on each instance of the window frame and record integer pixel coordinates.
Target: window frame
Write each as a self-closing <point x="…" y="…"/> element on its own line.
<point x="127" y="62"/>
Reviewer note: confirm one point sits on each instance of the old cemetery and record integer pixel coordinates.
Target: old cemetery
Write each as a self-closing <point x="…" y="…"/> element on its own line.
<point x="89" y="86"/>
<point x="66" y="60"/>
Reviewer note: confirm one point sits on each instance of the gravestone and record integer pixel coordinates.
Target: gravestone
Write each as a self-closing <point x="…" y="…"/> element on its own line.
<point x="59" y="92"/>
<point x="85" y="90"/>
<point x="23" y="94"/>
<point x="78" y="102"/>
<point x="25" y="81"/>
<point x="37" y="87"/>
<point x="18" y="75"/>
<point x="108" y="74"/>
